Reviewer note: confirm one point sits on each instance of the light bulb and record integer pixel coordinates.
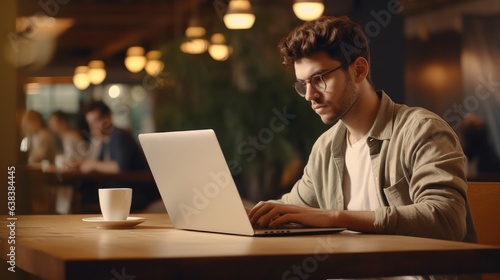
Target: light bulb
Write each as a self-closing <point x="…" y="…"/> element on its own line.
<point x="80" y="78"/>
<point x="154" y="66"/>
<point x="308" y="10"/>
<point x="239" y="15"/>
<point x="195" y="31"/>
<point x="218" y="50"/>
<point x="195" y="46"/>
<point x="135" y="60"/>
<point x="97" y="72"/>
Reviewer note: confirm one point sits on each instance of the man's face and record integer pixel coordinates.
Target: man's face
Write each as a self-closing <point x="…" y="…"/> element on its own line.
<point x="98" y="124"/>
<point x="341" y="92"/>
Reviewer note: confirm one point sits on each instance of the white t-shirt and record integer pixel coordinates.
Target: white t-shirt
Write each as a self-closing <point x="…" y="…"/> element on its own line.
<point x="358" y="184"/>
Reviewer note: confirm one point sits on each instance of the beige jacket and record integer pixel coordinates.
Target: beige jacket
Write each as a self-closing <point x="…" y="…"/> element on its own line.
<point x="419" y="168"/>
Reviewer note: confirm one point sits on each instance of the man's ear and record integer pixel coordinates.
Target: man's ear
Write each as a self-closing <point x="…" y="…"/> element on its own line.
<point x="361" y="68"/>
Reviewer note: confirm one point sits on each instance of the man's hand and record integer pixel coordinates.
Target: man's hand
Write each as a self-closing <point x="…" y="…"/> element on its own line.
<point x="274" y="214"/>
<point x="271" y="214"/>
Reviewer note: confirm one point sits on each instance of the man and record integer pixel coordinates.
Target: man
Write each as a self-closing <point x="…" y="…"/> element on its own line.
<point x="383" y="167"/>
<point x="119" y="152"/>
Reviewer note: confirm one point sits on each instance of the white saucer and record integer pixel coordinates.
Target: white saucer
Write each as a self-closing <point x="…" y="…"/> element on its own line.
<point x="101" y="223"/>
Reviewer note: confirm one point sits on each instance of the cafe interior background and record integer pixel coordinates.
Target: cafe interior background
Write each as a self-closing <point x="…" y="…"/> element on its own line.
<point x="167" y="65"/>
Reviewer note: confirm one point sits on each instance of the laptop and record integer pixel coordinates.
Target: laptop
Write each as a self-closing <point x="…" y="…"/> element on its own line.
<point x="197" y="188"/>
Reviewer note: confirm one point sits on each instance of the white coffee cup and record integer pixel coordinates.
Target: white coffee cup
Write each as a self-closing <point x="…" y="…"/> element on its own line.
<point x="115" y="203"/>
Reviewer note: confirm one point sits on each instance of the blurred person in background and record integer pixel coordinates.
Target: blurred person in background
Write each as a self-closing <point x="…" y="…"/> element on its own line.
<point x="41" y="144"/>
<point x="73" y="145"/>
<point x="119" y="151"/>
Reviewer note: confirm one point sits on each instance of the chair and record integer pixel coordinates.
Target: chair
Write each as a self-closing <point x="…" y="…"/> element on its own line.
<point x="484" y="200"/>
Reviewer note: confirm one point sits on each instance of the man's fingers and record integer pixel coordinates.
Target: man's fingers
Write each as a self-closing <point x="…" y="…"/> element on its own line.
<point x="264" y="212"/>
<point x="273" y="214"/>
<point x="254" y="209"/>
<point x="260" y="214"/>
<point x="286" y="218"/>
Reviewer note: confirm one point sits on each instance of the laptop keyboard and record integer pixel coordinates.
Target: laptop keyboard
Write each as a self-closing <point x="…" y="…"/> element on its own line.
<point x="282" y="226"/>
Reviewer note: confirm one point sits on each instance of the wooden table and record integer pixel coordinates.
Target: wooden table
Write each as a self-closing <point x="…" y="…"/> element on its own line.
<point x="126" y="177"/>
<point x="53" y="176"/>
<point x="65" y="247"/>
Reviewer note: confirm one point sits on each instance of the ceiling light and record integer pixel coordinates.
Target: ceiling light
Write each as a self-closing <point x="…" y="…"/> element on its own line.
<point x="135" y="60"/>
<point x="308" y="9"/>
<point x="97" y="72"/>
<point x="239" y="15"/>
<point x="196" y="43"/>
<point x="154" y="66"/>
<point x="195" y="31"/>
<point x="218" y="50"/>
<point x="81" y="78"/>
<point x="195" y="46"/>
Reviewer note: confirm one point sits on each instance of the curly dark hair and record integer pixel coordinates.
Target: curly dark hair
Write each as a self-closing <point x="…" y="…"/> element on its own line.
<point x="340" y="37"/>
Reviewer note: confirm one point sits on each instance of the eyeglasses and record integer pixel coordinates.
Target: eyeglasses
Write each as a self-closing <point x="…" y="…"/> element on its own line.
<point x="316" y="81"/>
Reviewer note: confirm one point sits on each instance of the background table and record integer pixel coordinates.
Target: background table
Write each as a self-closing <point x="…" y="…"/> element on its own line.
<point x="65" y="247"/>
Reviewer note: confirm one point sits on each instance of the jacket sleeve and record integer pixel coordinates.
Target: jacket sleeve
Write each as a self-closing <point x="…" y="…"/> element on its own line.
<point x="436" y="182"/>
<point x="304" y="192"/>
